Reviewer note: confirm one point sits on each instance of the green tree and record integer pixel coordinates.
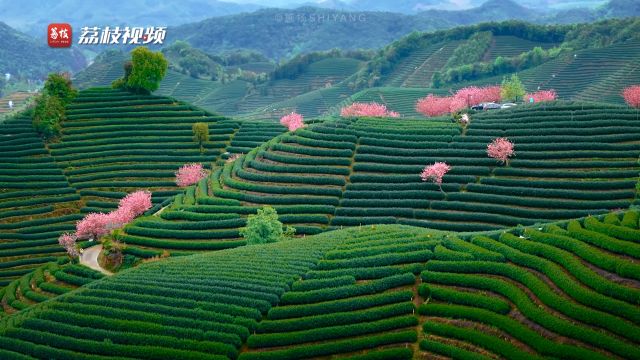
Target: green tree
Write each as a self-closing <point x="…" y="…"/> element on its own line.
<point x="512" y="88"/>
<point x="436" y="79"/>
<point x="47" y="115"/>
<point x="201" y="134"/>
<point x="264" y="227"/>
<point x="148" y="69"/>
<point x="59" y="85"/>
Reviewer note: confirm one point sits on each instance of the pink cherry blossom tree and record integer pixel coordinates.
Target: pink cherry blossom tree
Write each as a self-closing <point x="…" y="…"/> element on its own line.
<point x="92" y="226"/>
<point x="542" y="95"/>
<point x="501" y="149"/>
<point x="435" y="172"/>
<point x="190" y="174"/>
<point x="292" y="121"/>
<point x="372" y="109"/>
<point x="432" y="105"/>
<point x="136" y="203"/>
<point x="632" y="96"/>
<point x="68" y="242"/>
<point x="473" y="95"/>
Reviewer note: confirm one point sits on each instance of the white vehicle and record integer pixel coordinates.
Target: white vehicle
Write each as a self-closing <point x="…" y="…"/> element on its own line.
<point x="508" y="105"/>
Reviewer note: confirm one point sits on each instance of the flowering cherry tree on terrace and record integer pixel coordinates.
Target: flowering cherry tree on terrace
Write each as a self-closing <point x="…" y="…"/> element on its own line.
<point x="542" y="95"/>
<point x="437" y="106"/>
<point x="435" y="172"/>
<point x="92" y="226"/>
<point x="632" y="96"/>
<point x="473" y="95"/>
<point x="372" y="109"/>
<point x="190" y="174"/>
<point x="501" y="149"/>
<point x="136" y="203"/>
<point x="68" y="242"/>
<point x="292" y="121"/>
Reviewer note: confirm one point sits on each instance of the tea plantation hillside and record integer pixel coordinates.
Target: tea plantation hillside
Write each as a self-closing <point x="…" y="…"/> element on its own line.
<point x="592" y="75"/>
<point x="114" y="142"/>
<point x="37" y="202"/>
<point x="572" y="160"/>
<point x="565" y="290"/>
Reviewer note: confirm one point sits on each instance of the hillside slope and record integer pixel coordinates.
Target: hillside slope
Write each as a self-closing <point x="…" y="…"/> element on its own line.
<point x="37" y="202"/>
<point x="354" y="294"/>
<point x="572" y="160"/>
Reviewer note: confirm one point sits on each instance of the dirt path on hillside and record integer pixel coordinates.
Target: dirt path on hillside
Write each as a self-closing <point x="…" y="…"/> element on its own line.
<point x="89" y="258"/>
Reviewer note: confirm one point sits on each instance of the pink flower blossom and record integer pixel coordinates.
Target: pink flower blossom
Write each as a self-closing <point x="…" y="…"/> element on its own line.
<point x="632" y="96"/>
<point x="500" y="149"/>
<point x="473" y="95"/>
<point x="435" y="172"/>
<point x="542" y="95"/>
<point x="437" y="106"/>
<point x="92" y="226"/>
<point x="119" y="218"/>
<point x="372" y="109"/>
<point x="137" y="202"/>
<point x="190" y="174"/>
<point x="292" y="121"/>
<point x="68" y="242"/>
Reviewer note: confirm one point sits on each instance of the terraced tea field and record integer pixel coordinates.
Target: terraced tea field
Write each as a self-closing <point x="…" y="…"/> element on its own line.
<point x="376" y="292"/>
<point x="113" y="143"/>
<point x="37" y="202"/>
<point x="572" y="160"/>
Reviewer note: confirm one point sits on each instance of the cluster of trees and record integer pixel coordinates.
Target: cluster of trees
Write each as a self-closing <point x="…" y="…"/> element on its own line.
<point x="466" y="97"/>
<point x="501" y="65"/>
<point x="49" y="110"/>
<point x="372" y="109"/>
<point x="142" y="75"/>
<point x="398" y="50"/>
<point x="95" y="225"/>
<point x="472" y="50"/>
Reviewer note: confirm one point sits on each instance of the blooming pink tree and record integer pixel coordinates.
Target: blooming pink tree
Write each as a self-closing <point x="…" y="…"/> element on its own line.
<point x="68" y="242"/>
<point x="292" y="121"/>
<point x="136" y="203"/>
<point x="632" y="96"/>
<point x="372" y="109"/>
<point x="542" y="95"/>
<point x="92" y="226"/>
<point x="190" y="174"/>
<point x="501" y="149"/>
<point x="435" y="172"/>
<point x="473" y="95"/>
<point x="437" y="106"/>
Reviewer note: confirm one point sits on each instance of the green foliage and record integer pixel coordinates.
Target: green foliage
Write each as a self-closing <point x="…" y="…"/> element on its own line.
<point x="200" y="134"/>
<point x="472" y="50"/>
<point x="50" y="106"/>
<point x="59" y="85"/>
<point x="47" y="115"/>
<point x="512" y="88"/>
<point x="264" y="227"/>
<point x="148" y="69"/>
